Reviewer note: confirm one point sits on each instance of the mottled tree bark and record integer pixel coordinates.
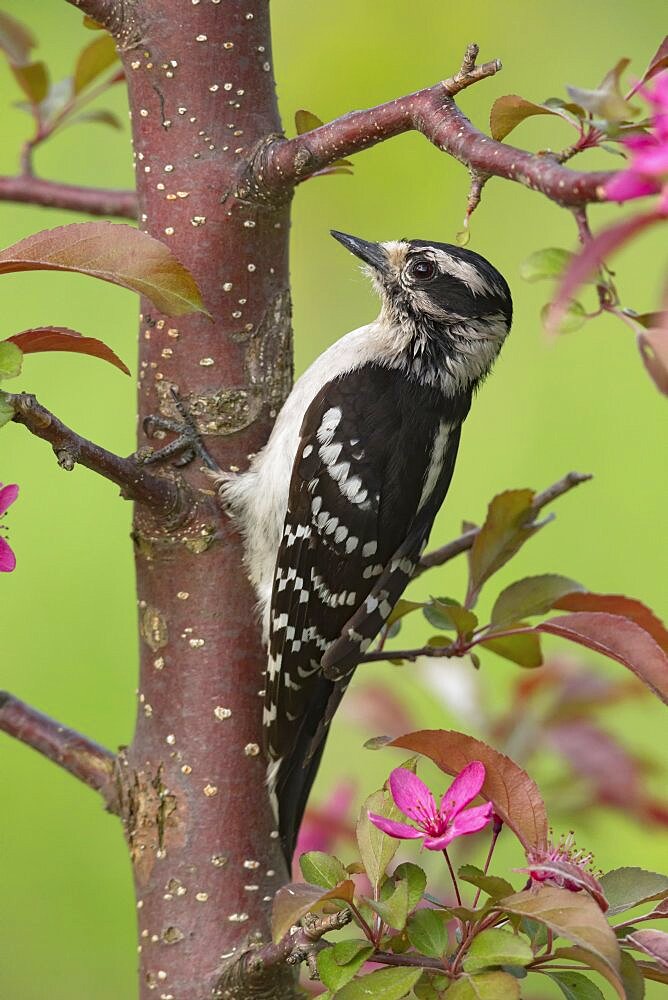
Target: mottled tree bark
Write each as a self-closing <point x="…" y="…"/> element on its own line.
<point x="198" y="822"/>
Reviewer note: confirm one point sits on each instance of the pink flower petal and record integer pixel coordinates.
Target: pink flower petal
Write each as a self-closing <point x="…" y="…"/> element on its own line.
<point x="439" y="843"/>
<point x="399" y="830"/>
<point x="7" y="557"/>
<point x="412" y="795"/>
<point x="471" y="820"/>
<point x="652" y="161"/>
<point x="463" y="789"/>
<point x="8" y="495"/>
<point x="627" y="185"/>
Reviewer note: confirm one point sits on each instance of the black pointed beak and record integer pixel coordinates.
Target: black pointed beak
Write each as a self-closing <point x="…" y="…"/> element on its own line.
<point x="370" y="253"/>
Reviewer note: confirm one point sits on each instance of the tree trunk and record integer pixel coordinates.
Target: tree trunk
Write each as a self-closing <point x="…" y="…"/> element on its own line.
<point x="197" y="817"/>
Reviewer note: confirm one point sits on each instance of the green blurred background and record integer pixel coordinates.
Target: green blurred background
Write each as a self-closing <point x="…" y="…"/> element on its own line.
<point x="67" y="640"/>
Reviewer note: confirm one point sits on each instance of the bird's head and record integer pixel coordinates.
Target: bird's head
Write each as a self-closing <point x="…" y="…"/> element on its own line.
<point x="448" y="308"/>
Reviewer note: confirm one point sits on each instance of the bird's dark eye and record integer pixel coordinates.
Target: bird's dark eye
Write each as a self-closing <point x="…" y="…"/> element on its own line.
<point x="423" y="270"/>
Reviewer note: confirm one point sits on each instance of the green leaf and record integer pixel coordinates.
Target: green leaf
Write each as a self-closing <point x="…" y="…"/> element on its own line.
<point x="606" y="101"/>
<point x="16" y="40"/>
<point x="376" y="848"/>
<point x="632" y="978"/>
<point x="346" y="951"/>
<point x="547" y="263"/>
<point x="11" y="359"/>
<point x="402" y="608"/>
<point x="322" y="869"/>
<point x="113" y="252"/>
<point x="415" y="879"/>
<point x="6" y="410"/>
<point x="627" y="887"/>
<point x="571" y="318"/>
<point x="306" y="121"/>
<point x="575" y="986"/>
<point x="293" y="901"/>
<point x="33" y="79"/>
<point x="507" y="527"/>
<point x="497" y="946"/>
<point x="516" y="797"/>
<point x="427" y="932"/>
<point x="511" y="109"/>
<point x="339" y="964"/>
<point x="488" y="986"/>
<point x="522" y="649"/>
<point x="385" y="984"/>
<point x="573" y="915"/>
<point x="93" y="60"/>
<point x="493" y="885"/>
<point x="446" y="613"/>
<point x="533" y="595"/>
<point x="393" y="910"/>
<point x="575" y="954"/>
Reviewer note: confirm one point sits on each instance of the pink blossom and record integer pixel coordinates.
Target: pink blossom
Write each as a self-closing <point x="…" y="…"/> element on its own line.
<point x="565" y="866"/>
<point x="648" y="170"/>
<point x="438" y="825"/>
<point x="8" y="495"/>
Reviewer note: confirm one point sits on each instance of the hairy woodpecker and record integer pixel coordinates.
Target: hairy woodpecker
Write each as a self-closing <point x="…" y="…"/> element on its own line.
<point x="337" y="508"/>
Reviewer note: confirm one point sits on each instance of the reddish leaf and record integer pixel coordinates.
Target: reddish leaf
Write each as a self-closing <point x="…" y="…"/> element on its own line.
<point x="617" y="604"/>
<point x="93" y="60"/>
<point x="505" y="530"/>
<point x="619" y="638"/>
<point x="98" y="117"/>
<point x="571" y="873"/>
<point x="292" y="901"/>
<point x="515" y="795"/>
<point x="599" y="758"/>
<point x="585" y="264"/>
<point x="508" y="111"/>
<point x="658" y="62"/>
<point x="653" y="347"/>
<point x="573" y="915"/>
<point x="654" y="943"/>
<point x="33" y="79"/>
<point x="115" y="253"/>
<point x="16" y="40"/>
<point x="60" y="338"/>
<point x="653" y="972"/>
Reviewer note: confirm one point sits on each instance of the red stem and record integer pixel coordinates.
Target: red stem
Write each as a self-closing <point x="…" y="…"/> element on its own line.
<point x="79" y="756"/>
<point x="52" y="194"/>
<point x="285" y="162"/>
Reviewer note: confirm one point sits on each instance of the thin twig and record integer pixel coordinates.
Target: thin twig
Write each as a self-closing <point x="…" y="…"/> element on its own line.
<point x="452" y="876"/>
<point x="296" y="945"/>
<point x="79" y="756"/>
<point x="454" y="548"/>
<point x="159" y="492"/>
<point x="51" y="194"/>
<point x="282" y="163"/>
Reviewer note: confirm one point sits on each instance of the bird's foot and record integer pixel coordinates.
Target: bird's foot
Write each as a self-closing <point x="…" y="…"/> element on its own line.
<point x="187" y="444"/>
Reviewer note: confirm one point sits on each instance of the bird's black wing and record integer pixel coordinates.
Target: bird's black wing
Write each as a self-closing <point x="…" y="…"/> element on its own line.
<point x="371" y="470"/>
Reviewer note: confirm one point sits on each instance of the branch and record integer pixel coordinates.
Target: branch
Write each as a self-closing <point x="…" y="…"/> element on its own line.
<point x="454" y="548"/>
<point x="282" y="163"/>
<point x="79" y="756"/>
<point x="94" y="201"/>
<point x="106" y="12"/>
<point x="158" y="492"/>
<point x="299" y="945"/>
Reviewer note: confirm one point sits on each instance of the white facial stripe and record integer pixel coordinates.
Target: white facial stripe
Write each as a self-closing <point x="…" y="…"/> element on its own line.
<point x="463" y="271"/>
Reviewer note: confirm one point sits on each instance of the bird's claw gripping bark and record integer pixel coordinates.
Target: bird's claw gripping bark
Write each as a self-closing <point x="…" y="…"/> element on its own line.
<point x="187" y="444"/>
